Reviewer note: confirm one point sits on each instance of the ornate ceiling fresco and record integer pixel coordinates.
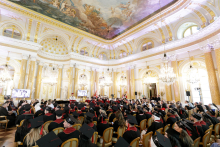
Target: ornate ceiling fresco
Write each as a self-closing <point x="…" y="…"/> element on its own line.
<point x="104" y="18"/>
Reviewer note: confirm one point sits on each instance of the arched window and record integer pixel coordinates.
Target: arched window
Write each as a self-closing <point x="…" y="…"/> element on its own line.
<point x="84" y="52"/>
<point x="187" y="29"/>
<point x="147" y="45"/>
<point x="190" y="30"/>
<point x="103" y="56"/>
<point x="12" y="32"/>
<point x="122" y="54"/>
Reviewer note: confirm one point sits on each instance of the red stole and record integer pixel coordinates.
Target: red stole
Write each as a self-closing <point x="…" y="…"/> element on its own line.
<point x="132" y="129"/>
<point x="149" y="113"/>
<point x="91" y="124"/>
<point x="173" y="116"/>
<point x="202" y="123"/>
<point x="58" y="121"/>
<point x="69" y="130"/>
<point x="26" y="113"/>
<point x="49" y="114"/>
<point x="79" y="111"/>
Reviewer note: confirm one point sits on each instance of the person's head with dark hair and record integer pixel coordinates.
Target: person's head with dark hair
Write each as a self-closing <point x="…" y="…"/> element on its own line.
<point x="69" y="122"/>
<point x="120" y="118"/>
<point x="47" y="110"/>
<point x="88" y="118"/>
<point x="174" y="142"/>
<point x="86" y="133"/>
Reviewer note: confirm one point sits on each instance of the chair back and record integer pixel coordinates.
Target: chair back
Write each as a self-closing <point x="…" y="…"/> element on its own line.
<point x="146" y="139"/>
<point x="173" y="125"/>
<point x="205" y="140"/>
<point x="81" y="118"/>
<point x="211" y="126"/>
<point x="77" y="126"/>
<point x="94" y="137"/>
<point x="121" y="131"/>
<point x="143" y="124"/>
<point x="135" y="142"/>
<point x="166" y="110"/>
<point x="46" y="124"/>
<point x="210" y="133"/>
<point x="134" y="115"/>
<point x="196" y="142"/>
<point x="109" y="115"/>
<point x="58" y="130"/>
<point x="95" y="123"/>
<point x="107" y="120"/>
<point x="21" y="123"/>
<point x="159" y="130"/>
<point x="166" y="128"/>
<point x="114" y="120"/>
<point x="149" y="122"/>
<point x="107" y="135"/>
<point x="73" y="142"/>
<point x="216" y="129"/>
<point x="216" y="113"/>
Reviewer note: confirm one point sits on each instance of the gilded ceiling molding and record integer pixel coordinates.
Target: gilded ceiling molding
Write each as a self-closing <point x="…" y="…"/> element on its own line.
<point x="114" y="54"/>
<point x="74" y="43"/>
<point x="97" y="52"/>
<point x="161" y="32"/>
<point x="39" y="17"/>
<point x="203" y="19"/>
<point x="37" y="31"/>
<point x="93" y="51"/>
<point x="130" y="47"/>
<point x="208" y="10"/>
<point x="29" y="29"/>
<point x="77" y="48"/>
<point x="169" y="31"/>
<point x="126" y="48"/>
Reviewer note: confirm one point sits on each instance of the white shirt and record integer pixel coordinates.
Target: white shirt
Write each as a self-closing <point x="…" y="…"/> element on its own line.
<point x="72" y="98"/>
<point x="51" y="105"/>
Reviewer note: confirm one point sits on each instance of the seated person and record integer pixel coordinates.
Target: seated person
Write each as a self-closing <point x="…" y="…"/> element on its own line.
<point x="115" y="109"/>
<point x="26" y="115"/>
<point x="140" y="116"/>
<point x="120" y="122"/>
<point x="79" y="106"/>
<point x="37" y="131"/>
<point x="40" y="112"/>
<point x="69" y="131"/>
<point x="48" y="115"/>
<point x="8" y="114"/>
<point x="76" y="116"/>
<point x="156" y="124"/>
<point x="195" y="118"/>
<point x="86" y="135"/>
<point x="102" y="124"/>
<point x="171" y="117"/>
<point x="147" y="112"/>
<point x="132" y="132"/>
<point x="58" y="122"/>
<point x="22" y="131"/>
<point x="72" y="108"/>
<point x="88" y="120"/>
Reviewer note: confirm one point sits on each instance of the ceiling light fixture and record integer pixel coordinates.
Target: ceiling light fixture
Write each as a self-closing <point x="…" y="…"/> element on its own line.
<point x="4" y="74"/>
<point x="192" y="76"/>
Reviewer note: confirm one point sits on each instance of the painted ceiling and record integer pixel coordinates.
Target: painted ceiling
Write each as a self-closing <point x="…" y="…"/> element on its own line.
<point x="104" y="18"/>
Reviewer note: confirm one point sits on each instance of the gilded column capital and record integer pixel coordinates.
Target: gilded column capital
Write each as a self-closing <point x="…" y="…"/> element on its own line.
<point x="71" y="65"/>
<point x="33" y="58"/>
<point x="114" y="69"/>
<point x="60" y="66"/>
<point x="25" y="56"/>
<point x="40" y="63"/>
<point x="207" y="48"/>
<point x="216" y="44"/>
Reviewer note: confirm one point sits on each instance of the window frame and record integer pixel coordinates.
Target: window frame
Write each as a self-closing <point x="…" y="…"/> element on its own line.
<point x="190" y="27"/>
<point x="13" y="30"/>
<point x="146" y="42"/>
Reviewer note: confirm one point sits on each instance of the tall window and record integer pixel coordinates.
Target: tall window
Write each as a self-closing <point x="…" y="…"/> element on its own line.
<point x="122" y="54"/>
<point x="190" y="30"/>
<point x="103" y="56"/>
<point x="147" y="45"/>
<point x="12" y="32"/>
<point x="84" y="52"/>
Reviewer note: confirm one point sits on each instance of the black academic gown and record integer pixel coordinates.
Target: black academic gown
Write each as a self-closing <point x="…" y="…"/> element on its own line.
<point x="132" y="134"/>
<point x="204" y="126"/>
<point x="148" y="115"/>
<point x="23" y="116"/>
<point x="171" y="120"/>
<point x="69" y="133"/>
<point x="112" y="117"/>
<point x="101" y="127"/>
<point x="155" y="126"/>
<point x="193" y="132"/>
<point x="21" y="133"/>
<point x="140" y="117"/>
<point x="92" y="126"/>
<point x="39" y="112"/>
<point x="11" y="118"/>
<point x="49" y="117"/>
<point x="199" y="129"/>
<point x="214" y="120"/>
<point x="56" y="124"/>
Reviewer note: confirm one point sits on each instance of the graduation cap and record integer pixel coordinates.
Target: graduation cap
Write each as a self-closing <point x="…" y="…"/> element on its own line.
<point x="206" y="115"/>
<point x="87" y="131"/>
<point x="79" y="106"/>
<point x="48" y="108"/>
<point x="101" y="104"/>
<point x="171" y="111"/>
<point x="55" y="104"/>
<point x="42" y="106"/>
<point x="183" y="125"/>
<point x="212" y="112"/>
<point x="188" y="121"/>
<point x="37" y="122"/>
<point x="91" y="104"/>
<point x="51" y="139"/>
<point x="89" y="115"/>
<point x="125" y="106"/>
<point x="173" y="132"/>
<point x="200" y="108"/>
<point x="174" y="109"/>
<point x="122" y="143"/>
<point x="207" y="107"/>
<point x="59" y="113"/>
<point x="27" y="107"/>
<point x="58" y="106"/>
<point x="75" y="114"/>
<point x="141" y="110"/>
<point x="115" y="108"/>
<point x="71" y="120"/>
<point x="76" y="103"/>
<point x="197" y="116"/>
<point x="161" y="140"/>
<point x="72" y="106"/>
<point x="145" y="107"/>
<point x="131" y="119"/>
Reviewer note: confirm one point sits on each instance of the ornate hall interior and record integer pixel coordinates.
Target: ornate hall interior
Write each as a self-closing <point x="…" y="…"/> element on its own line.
<point x="131" y="48"/>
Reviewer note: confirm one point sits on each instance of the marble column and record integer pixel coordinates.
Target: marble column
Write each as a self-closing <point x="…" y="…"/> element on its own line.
<point x="92" y="82"/>
<point x="97" y="82"/>
<point x="132" y="84"/>
<point x="213" y="84"/>
<point x="59" y="81"/>
<point x="168" y="92"/>
<point x="38" y="81"/>
<point x="70" y="85"/>
<point x="217" y="55"/>
<point x="23" y="71"/>
<point x="128" y="84"/>
<point x="115" y="82"/>
<point x="136" y="78"/>
<point x="31" y="75"/>
<point x="175" y="85"/>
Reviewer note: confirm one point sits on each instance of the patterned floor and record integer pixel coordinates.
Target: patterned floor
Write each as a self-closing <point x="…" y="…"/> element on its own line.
<point x="7" y="137"/>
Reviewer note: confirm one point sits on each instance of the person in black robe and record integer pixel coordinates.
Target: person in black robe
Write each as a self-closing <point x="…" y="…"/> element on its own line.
<point x="111" y="118"/>
<point x="156" y="124"/>
<point x="40" y="112"/>
<point x="196" y="118"/>
<point x="79" y="106"/>
<point x="69" y="131"/>
<point x="207" y="118"/>
<point x="26" y="115"/>
<point x="48" y="116"/>
<point x="182" y="113"/>
<point x="213" y="118"/>
<point x="76" y="116"/>
<point x="102" y="124"/>
<point x="132" y="132"/>
<point x="91" y="110"/>
<point x="171" y="117"/>
<point x="58" y="122"/>
<point x="147" y="112"/>
<point x="22" y="131"/>
<point x="88" y="120"/>
<point x="140" y="116"/>
<point x="85" y="136"/>
<point x="9" y="115"/>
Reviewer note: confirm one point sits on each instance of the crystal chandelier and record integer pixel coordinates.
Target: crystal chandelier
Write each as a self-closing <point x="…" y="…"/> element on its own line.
<point x="192" y="76"/>
<point x="5" y="76"/>
<point x="123" y="81"/>
<point x="53" y="74"/>
<point x="102" y="82"/>
<point x="83" y="81"/>
<point x="108" y="79"/>
<point x="166" y="72"/>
